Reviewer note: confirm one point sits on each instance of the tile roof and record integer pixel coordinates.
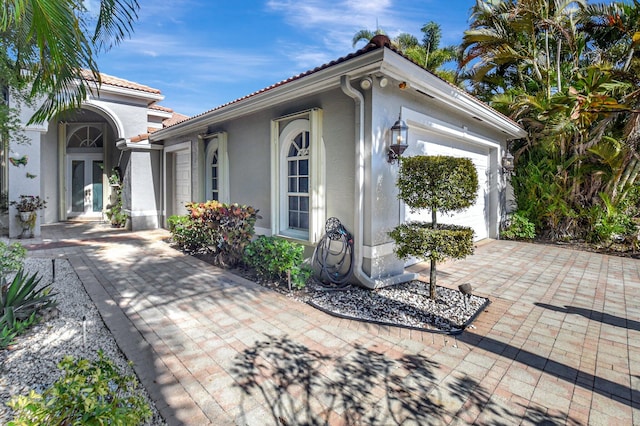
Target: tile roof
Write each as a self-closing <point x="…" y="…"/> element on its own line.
<point x="119" y="82"/>
<point x="377" y="42"/>
<point x="175" y="119"/>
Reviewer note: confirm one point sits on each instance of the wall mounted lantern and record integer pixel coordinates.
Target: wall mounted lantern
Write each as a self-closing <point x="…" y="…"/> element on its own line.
<point x="399" y="137"/>
<point x="508" y="164"/>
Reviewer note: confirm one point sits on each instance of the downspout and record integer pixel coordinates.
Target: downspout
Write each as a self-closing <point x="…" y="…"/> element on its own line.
<point x="358" y="218"/>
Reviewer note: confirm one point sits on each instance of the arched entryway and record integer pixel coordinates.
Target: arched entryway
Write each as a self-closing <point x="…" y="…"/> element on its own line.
<point x="86" y="154"/>
<point x="85" y="171"/>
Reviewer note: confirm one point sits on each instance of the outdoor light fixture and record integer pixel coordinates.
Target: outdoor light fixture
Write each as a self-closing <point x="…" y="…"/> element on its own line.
<point x="507" y="162"/>
<point x="383" y="81"/>
<point x="366" y="82"/>
<point x="399" y="137"/>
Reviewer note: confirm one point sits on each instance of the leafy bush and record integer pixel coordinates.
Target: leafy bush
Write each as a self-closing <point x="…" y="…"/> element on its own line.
<point x="11" y="257"/>
<point x="519" y="228"/>
<point x="222" y="230"/>
<point x="89" y="392"/>
<point x="610" y="223"/>
<point x="187" y="234"/>
<point x="273" y="257"/>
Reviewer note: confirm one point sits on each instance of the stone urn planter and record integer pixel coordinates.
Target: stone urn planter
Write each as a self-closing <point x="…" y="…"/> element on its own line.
<point x="28" y="206"/>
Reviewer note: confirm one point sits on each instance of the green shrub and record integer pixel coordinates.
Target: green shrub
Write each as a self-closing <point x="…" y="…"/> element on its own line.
<point x="273" y="257"/>
<point x="519" y="228"/>
<point x="8" y="332"/>
<point x="11" y="257"/>
<point x="187" y="234"/>
<point x="89" y="392"/>
<point x="221" y="230"/>
<point x="438" y="183"/>
<point x="419" y="239"/>
<point x="445" y="184"/>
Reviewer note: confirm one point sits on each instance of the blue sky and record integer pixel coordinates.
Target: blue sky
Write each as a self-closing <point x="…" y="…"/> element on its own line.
<point x="204" y="53"/>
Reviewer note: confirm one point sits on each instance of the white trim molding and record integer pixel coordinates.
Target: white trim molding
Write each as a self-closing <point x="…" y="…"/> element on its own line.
<point x="217" y="142"/>
<point x="281" y="130"/>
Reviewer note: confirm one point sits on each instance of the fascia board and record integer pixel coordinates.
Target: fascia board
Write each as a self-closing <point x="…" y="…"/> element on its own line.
<point x="123" y="91"/>
<point x="400" y="69"/>
<point x="158" y="113"/>
<point x="323" y="80"/>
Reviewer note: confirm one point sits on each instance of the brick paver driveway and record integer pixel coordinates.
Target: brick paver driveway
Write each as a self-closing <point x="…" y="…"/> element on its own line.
<point x="559" y="343"/>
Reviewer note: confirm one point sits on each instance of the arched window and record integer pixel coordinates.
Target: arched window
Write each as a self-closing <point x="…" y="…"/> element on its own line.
<point x="216" y="168"/>
<point x="298" y="182"/>
<point x="86" y="136"/>
<point x="297" y="162"/>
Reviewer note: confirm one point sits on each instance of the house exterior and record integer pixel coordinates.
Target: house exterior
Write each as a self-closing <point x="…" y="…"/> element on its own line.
<point x="68" y="160"/>
<point x="303" y="150"/>
<point x="316" y="146"/>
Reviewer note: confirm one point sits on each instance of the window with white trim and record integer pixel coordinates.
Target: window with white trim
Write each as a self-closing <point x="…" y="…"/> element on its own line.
<point x="297" y="164"/>
<point x="216" y="168"/>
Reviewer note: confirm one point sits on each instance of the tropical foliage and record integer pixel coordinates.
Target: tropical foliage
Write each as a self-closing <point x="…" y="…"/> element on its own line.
<point x="219" y="230"/>
<point x="49" y="46"/>
<point x="568" y="71"/>
<point x="426" y="52"/>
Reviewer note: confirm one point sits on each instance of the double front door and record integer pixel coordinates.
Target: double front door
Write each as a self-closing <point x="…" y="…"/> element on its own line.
<point x="85" y="185"/>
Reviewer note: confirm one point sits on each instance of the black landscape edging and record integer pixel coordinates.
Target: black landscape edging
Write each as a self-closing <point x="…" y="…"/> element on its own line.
<point x="410" y="327"/>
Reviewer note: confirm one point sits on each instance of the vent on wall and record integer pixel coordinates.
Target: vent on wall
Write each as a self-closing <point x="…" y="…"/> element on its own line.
<point x="425" y="93"/>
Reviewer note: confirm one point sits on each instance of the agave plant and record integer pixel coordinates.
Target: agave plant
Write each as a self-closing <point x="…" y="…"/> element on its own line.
<point x="21" y="298"/>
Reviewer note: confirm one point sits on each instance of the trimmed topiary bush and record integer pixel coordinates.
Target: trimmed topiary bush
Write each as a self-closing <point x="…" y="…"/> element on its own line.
<point x="438" y="183"/>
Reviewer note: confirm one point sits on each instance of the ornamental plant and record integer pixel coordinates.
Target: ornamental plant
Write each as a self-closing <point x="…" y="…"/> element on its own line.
<point x="88" y="393"/>
<point x="278" y="259"/>
<point x="439" y="183"/>
<point x="217" y="229"/>
<point x="29" y="203"/>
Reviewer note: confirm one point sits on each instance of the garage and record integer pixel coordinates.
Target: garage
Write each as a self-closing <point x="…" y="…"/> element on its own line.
<point x="427" y="143"/>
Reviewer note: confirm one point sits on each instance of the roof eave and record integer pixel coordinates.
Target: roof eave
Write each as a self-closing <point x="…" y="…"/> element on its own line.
<point x="326" y="79"/>
<point x="397" y="67"/>
<point x="123" y="91"/>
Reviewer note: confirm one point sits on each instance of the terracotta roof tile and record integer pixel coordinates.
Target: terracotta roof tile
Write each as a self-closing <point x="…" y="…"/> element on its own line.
<point x="119" y="82"/>
<point x="160" y="108"/>
<point x="175" y="119"/>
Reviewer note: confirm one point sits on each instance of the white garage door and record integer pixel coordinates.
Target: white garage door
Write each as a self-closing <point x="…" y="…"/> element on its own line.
<point x="182" y="173"/>
<point x="476" y="216"/>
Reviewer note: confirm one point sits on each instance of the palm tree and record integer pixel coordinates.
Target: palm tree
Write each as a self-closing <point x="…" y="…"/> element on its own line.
<point x="48" y="43"/>
<point x="427" y="54"/>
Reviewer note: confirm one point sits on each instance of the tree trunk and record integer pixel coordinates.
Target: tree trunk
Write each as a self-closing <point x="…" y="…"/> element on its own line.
<point x="432" y="280"/>
<point x="432" y="269"/>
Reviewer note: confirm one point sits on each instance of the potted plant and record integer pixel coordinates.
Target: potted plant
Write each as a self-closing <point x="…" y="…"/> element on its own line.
<point x="114" y="212"/>
<point x="27" y="207"/>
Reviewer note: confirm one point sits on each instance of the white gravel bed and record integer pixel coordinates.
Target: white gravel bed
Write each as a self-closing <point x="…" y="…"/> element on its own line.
<point x="32" y="362"/>
<point x="406" y="305"/>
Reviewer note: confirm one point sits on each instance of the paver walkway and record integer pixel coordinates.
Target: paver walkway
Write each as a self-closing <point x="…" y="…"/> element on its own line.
<point x="560" y="343"/>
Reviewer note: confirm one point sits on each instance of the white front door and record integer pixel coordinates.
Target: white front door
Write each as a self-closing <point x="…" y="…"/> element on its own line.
<point x="182" y="188"/>
<point x="84" y="185"/>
